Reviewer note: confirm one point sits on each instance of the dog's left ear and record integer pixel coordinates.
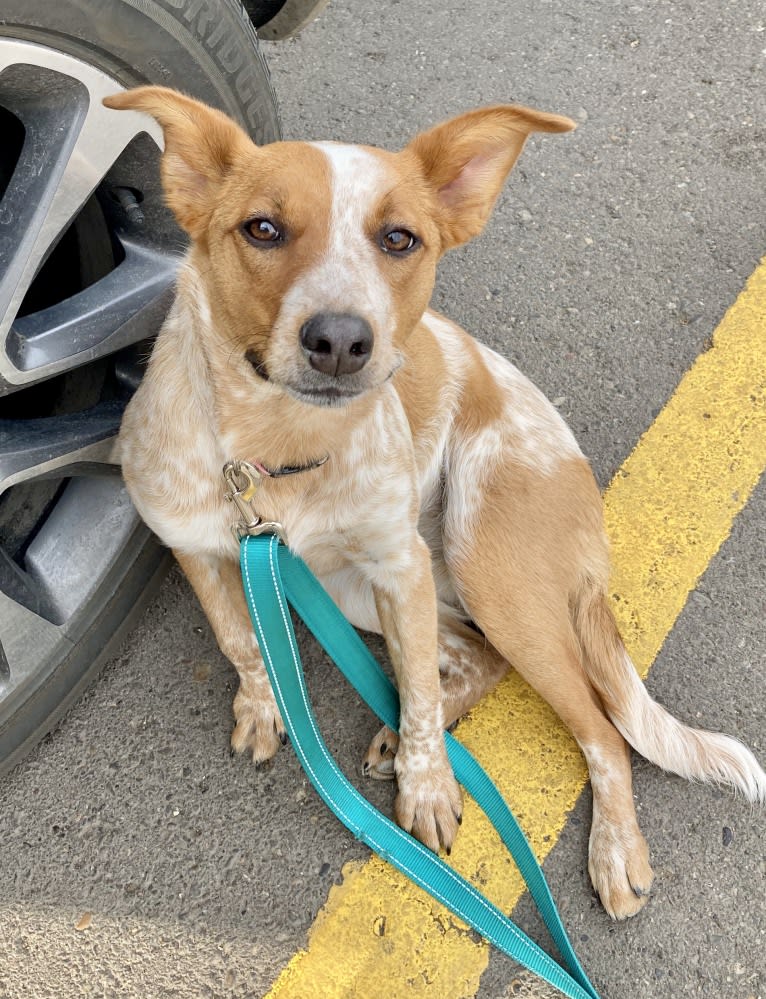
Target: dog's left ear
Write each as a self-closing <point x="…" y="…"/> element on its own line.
<point x="201" y="146"/>
<point x="467" y="159"/>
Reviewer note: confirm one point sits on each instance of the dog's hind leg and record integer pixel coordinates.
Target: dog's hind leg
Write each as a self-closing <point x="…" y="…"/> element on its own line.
<point x="547" y="657"/>
<point x="470" y="667"/>
<point x="517" y="593"/>
<point x="258" y="725"/>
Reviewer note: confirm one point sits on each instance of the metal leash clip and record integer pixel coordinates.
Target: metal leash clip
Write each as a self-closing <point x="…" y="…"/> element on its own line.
<point x="243" y="480"/>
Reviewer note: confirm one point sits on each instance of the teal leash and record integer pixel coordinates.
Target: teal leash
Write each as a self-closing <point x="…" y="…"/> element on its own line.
<point x="272" y="576"/>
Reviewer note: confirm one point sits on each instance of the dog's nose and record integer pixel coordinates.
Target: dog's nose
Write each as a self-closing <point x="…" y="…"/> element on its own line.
<point x="337" y="343"/>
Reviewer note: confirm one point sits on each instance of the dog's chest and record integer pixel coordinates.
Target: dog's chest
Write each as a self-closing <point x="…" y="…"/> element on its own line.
<point x="347" y="509"/>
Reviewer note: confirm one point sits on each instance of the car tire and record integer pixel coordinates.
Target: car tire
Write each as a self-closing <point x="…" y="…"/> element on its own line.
<point x="76" y="566"/>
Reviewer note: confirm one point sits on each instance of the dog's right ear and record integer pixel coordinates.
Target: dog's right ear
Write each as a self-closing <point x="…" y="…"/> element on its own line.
<point x="466" y="160"/>
<point x="201" y="144"/>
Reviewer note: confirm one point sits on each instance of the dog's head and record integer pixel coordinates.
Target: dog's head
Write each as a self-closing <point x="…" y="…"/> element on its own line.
<point x="319" y="258"/>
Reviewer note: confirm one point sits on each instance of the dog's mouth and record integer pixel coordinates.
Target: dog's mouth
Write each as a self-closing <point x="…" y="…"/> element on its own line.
<point x="314" y="389"/>
<point x="330" y="396"/>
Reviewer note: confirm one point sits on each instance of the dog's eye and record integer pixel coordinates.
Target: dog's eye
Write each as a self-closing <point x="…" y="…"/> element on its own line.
<point x="397" y="241"/>
<point x="261" y="231"/>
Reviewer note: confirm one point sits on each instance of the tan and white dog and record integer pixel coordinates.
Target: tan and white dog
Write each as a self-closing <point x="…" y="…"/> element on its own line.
<point x="454" y="512"/>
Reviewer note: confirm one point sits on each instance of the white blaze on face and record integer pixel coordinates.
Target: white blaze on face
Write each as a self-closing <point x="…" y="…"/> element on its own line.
<point x="348" y="277"/>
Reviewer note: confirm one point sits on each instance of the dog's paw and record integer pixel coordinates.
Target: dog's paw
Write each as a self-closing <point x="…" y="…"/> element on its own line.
<point x="378" y="761"/>
<point x="619" y="868"/>
<point x="258" y="725"/>
<point x="429" y="803"/>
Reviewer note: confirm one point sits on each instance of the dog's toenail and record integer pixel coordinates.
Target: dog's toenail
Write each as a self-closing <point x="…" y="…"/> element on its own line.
<point x="283" y="738"/>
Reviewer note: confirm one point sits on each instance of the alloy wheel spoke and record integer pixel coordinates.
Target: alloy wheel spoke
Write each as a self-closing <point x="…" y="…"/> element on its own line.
<point x="125" y="306"/>
<point x="58" y="446"/>
<point x="71" y="141"/>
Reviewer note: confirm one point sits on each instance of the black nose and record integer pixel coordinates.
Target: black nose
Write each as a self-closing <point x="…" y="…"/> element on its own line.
<point x="337" y="343"/>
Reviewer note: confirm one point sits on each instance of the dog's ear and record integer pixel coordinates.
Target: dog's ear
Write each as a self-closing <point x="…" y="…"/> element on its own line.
<point x="201" y="144"/>
<point x="467" y="159"/>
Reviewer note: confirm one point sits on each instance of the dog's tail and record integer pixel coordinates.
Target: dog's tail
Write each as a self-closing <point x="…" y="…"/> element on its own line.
<point x="648" y="727"/>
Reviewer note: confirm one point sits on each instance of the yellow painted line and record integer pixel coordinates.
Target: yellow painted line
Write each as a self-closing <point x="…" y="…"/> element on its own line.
<point x="668" y="511"/>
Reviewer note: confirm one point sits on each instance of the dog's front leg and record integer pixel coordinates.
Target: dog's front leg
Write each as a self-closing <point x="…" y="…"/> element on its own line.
<point x="218" y="586"/>
<point x="429" y="802"/>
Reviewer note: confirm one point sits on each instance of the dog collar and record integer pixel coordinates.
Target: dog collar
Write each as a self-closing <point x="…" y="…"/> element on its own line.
<point x="243" y="478"/>
<point x="275" y="473"/>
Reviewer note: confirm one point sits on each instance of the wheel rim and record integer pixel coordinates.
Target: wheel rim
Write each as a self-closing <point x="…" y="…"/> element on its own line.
<point x="80" y="181"/>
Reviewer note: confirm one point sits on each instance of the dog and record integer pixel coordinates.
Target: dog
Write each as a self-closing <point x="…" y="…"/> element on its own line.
<point x="436" y="493"/>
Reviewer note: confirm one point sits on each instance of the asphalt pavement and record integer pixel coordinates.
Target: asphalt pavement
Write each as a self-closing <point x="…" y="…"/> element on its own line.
<point x="139" y="857"/>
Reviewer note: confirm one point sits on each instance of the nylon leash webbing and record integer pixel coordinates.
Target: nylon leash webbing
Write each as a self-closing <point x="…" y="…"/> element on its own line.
<point x="272" y="576"/>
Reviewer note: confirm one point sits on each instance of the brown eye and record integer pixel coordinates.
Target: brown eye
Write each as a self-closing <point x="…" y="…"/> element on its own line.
<point x="261" y="231"/>
<point x="397" y="241"/>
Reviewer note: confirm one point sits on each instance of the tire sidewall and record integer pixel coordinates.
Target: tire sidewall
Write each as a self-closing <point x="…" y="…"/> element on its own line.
<point x="207" y="48"/>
